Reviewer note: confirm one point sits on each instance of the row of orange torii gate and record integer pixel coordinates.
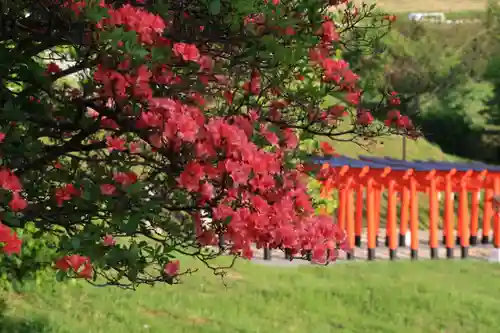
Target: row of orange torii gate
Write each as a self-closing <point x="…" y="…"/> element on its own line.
<point x="361" y="182"/>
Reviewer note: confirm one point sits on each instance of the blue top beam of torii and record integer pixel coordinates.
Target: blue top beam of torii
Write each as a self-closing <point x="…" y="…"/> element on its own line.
<point x="446" y="165"/>
<point x="476" y="165"/>
<point x="427" y="166"/>
<point x="395" y="164"/>
<point x="340" y="161"/>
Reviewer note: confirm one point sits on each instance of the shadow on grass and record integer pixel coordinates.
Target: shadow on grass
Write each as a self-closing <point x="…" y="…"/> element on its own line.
<point x="10" y="324"/>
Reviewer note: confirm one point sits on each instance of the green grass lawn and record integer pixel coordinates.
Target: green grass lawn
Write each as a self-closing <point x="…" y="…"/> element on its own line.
<point x="383" y="297"/>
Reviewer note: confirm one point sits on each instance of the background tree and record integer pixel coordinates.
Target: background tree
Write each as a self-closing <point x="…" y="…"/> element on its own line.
<point x="439" y="73"/>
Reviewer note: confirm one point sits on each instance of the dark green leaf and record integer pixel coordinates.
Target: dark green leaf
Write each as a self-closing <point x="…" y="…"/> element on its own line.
<point x="214" y="7"/>
<point x="60" y="276"/>
<point x="132" y="224"/>
<point x="96" y="13"/>
<point x="11" y="218"/>
<point x="132" y="274"/>
<point x="75" y="243"/>
<point x="134" y="188"/>
<point x="227" y="220"/>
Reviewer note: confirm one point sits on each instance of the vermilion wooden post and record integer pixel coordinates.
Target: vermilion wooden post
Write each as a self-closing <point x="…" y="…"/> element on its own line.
<point x="449" y="218"/>
<point x="391" y="218"/>
<point x="341" y="209"/>
<point x="384" y="177"/>
<point x="414" y="218"/>
<point x="350" y="222"/>
<point x="370" y="214"/>
<point x="463" y="211"/>
<point x="496" y="216"/>
<point x="482" y="180"/>
<point x="378" y="195"/>
<point x="463" y="218"/>
<point x="404" y="216"/>
<point x="474" y="217"/>
<point x="358" y="223"/>
<point x="487" y="215"/>
<point x="433" y="218"/>
<point x="458" y="240"/>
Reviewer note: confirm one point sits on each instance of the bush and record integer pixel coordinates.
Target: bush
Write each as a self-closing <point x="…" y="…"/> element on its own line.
<point x="37" y="255"/>
<point x="184" y="108"/>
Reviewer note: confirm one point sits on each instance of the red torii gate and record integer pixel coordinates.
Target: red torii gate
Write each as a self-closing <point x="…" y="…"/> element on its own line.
<point x="373" y="175"/>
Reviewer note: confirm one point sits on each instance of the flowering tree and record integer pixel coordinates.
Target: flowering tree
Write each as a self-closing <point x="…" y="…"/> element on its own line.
<point x="132" y="132"/>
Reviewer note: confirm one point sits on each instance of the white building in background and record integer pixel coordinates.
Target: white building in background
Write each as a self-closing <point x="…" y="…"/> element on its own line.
<point x="432" y="17"/>
<point x="437" y="17"/>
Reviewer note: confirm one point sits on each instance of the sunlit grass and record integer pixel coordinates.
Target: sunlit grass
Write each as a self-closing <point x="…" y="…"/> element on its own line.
<point x="465" y="7"/>
<point x="411" y="297"/>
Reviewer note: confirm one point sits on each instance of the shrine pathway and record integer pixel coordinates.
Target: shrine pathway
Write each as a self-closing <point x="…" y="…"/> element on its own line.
<point x="478" y="252"/>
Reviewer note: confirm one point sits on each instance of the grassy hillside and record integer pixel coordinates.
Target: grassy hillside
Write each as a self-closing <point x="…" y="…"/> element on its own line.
<point x="403" y="6"/>
<point x="382" y="297"/>
<point x="419" y="149"/>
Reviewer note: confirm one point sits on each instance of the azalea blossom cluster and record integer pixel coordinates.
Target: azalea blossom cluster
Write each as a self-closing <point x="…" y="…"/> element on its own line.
<point x="9" y="241"/>
<point x="211" y="138"/>
<point x="261" y="210"/>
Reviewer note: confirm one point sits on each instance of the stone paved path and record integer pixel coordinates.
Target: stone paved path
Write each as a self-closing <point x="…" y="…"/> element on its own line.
<point x="478" y="252"/>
